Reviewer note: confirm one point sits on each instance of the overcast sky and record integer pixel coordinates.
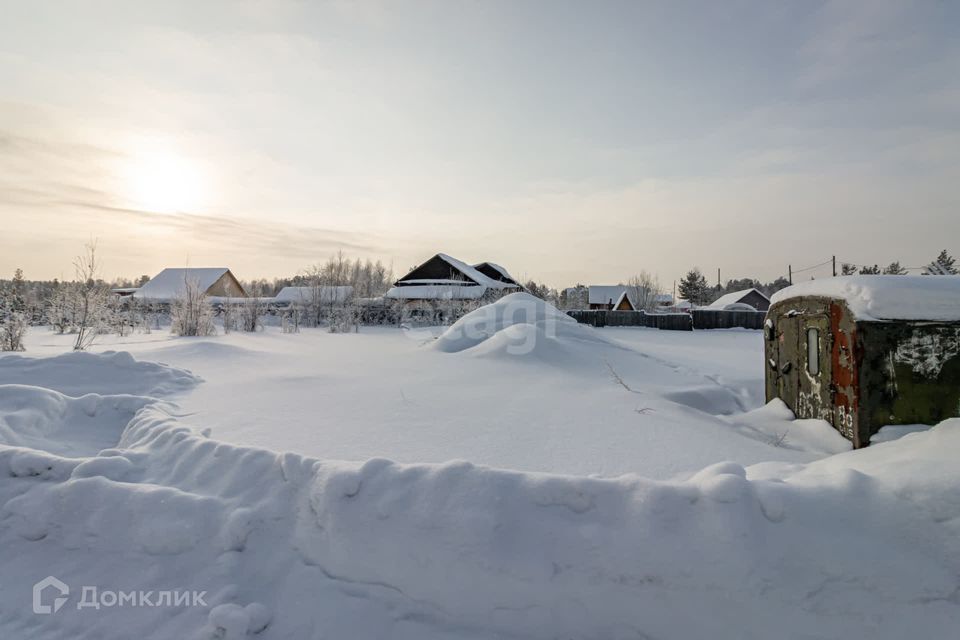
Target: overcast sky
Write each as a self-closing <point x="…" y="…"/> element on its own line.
<point x="569" y="141"/>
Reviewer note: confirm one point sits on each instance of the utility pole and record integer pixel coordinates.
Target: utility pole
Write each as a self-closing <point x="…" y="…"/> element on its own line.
<point x="834" y="266"/>
<point x="790" y="273"/>
<point x="718" y="279"/>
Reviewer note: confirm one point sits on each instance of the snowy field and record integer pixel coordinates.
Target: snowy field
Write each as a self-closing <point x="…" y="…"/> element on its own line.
<point x="514" y="476"/>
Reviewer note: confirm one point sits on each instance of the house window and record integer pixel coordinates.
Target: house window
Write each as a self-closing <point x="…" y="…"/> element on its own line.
<point x="813" y="351"/>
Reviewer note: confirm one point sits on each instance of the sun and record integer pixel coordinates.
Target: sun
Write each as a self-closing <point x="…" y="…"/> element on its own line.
<point x="161" y="180"/>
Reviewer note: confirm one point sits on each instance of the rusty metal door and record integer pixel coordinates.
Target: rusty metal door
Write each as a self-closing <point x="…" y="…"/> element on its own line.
<point x="784" y="359"/>
<point x="800" y="361"/>
<point x="814" y="399"/>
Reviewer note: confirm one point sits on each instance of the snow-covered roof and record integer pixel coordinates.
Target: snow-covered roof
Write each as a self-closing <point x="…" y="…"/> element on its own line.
<point x="730" y="298"/>
<point x="616" y="305"/>
<point x="605" y="294"/>
<point x="493" y="265"/>
<point x="170" y="283"/>
<point x="880" y="297"/>
<point x="436" y="292"/>
<point x="663" y="298"/>
<point x="473" y="274"/>
<point x="327" y="294"/>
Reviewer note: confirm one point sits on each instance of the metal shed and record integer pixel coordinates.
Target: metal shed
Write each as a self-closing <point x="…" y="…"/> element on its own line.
<point x="862" y="352"/>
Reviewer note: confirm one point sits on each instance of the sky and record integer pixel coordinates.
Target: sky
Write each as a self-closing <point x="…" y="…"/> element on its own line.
<point x="570" y="141"/>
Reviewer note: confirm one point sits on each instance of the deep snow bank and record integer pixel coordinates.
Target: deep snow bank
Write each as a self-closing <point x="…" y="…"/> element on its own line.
<point x="517" y="325"/>
<point x="50" y="421"/>
<point x="108" y="373"/>
<point x="831" y="549"/>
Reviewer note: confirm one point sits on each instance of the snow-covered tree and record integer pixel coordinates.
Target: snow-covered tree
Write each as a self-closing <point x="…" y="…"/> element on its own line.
<point x="252" y="309"/>
<point x="13" y="328"/>
<point x="847" y="269"/>
<point x="894" y="269"/>
<point x="867" y="270"/>
<point x="89" y="298"/>
<point x="576" y="297"/>
<point x="643" y="289"/>
<point x="942" y="266"/>
<point x="191" y="313"/>
<point x="13" y="319"/>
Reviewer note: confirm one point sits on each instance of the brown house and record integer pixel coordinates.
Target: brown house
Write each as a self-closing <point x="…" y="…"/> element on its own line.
<point x="170" y="283"/>
<point x="749" y="297"/>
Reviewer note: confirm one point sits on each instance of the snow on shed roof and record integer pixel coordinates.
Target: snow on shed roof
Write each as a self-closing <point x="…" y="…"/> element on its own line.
<point x="933" y="298"/>
<point x="290" y="295"/>
<point x="436" y="292"/>
<point x="169" y="283"/>
<point x="733" y="297"/>
<point x="605" y="294"/>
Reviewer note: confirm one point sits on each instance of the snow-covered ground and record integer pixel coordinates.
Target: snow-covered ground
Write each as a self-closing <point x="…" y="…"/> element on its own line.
<point x="519" y="476"/>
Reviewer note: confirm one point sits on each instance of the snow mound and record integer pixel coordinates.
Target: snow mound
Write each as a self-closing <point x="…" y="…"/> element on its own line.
<point x="47" y="420"/>
<point x="776" y="424"/>
<point x="109" y="373"/>
<point x="516" y="325"/>
<point x="287" y="546"/>
<point x="934" y="298"/>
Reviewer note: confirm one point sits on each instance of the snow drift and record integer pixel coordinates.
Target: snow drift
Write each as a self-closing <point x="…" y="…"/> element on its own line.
<point x="288" y="546"/>
<point x="44" y="419"/>
<point x="517" y="325"/>
<point x="109" y="373"/>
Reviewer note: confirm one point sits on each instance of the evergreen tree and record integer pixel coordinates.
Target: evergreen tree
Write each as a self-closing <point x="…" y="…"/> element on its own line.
<point x="694" y="288"/>
<point x="18" y="302"/>
<point x="847" y="269"/>
<point x="894" y="269"/>
<point x="942" y="266"/>
<point x="869" y="271"/>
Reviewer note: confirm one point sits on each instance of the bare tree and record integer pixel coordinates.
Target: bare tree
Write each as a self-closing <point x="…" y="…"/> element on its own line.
<point x="191" y="313"/>
<point x="643" y="289"/>
<point x="253" y="308"/>
<point x="90" y="298"/>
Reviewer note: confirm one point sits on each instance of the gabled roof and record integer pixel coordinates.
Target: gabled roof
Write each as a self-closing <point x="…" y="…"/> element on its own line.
<point x="443" y="269"/>
<point x="624" y="296"/>
<point x="604" y="294"/>
<point x="733" y="297"/>
<point x="886" y="297"/>
<point x="495" y="271"/>
<point x="170" y="283"/>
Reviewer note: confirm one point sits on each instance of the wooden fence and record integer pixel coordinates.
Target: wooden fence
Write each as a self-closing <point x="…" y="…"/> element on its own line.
<point x="603" y="318"/>
<point x="697" y="319"/>
<point x="720" y="319"/>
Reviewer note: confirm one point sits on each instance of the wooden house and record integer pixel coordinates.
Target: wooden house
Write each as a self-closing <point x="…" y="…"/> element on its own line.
<point x="740" y="299"/>
<point x="443" y="278"/>
<point x="605" y="296"/>
<point x="169" y="284"/>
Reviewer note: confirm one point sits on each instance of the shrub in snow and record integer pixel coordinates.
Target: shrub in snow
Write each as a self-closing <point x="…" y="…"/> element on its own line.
<point x="12" y="330"/>
<point x="89" y="299"/>
<point x="191" y="313"/>
<point x="252" y="309"/>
